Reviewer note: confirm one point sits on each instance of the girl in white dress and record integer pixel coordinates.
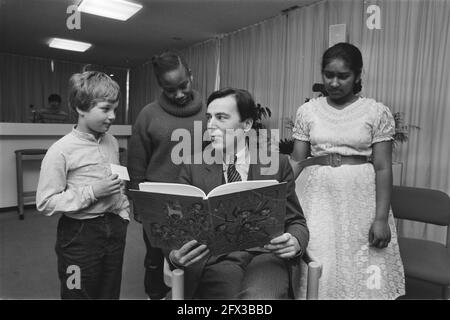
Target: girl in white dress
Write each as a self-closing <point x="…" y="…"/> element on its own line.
<point x="346" y="198"/>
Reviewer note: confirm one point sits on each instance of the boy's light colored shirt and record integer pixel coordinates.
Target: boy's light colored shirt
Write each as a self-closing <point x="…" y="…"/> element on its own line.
<point x="70" y="167"/>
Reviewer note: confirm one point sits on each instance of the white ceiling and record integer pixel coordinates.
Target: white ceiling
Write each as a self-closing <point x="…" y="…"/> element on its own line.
<point x="26" y="26"/>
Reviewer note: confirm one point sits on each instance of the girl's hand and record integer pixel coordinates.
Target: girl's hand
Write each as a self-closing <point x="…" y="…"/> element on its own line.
<point x="379" y="234"/>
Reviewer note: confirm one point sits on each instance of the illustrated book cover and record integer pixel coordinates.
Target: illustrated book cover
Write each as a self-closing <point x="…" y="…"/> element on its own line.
<point x="233" y="216"/>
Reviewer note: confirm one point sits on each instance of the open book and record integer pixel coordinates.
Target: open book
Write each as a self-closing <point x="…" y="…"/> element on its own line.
<point x="233" y="216"/>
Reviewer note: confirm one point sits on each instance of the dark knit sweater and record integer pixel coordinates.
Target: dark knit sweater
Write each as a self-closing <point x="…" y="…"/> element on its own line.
<point x="150" y="146"/>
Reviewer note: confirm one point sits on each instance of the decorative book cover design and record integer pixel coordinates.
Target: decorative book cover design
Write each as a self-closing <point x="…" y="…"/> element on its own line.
<point x="231" y="217"/>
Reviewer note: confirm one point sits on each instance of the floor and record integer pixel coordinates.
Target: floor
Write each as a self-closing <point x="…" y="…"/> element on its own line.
<point x="28" y="261"/>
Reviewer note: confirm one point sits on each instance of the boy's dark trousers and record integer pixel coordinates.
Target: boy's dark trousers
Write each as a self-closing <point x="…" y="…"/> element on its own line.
<point x="154" y="271"/>
<point x="90" y="256"/>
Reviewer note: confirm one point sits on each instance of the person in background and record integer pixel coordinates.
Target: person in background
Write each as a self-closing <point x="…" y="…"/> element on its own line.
<point x="346" y="198"/>
<point x="76" y="181"/>
<point x="52" y="113"/>
<point x="150" y="146"/>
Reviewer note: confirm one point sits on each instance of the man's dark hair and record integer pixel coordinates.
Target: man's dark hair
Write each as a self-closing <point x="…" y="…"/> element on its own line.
<point x="168" y="61"/>
<point x="245" y="104"/>
<point x="54" y="97"/>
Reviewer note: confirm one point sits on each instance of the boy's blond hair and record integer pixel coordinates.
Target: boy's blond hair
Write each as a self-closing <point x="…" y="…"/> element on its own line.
<point x="90" y="87"/>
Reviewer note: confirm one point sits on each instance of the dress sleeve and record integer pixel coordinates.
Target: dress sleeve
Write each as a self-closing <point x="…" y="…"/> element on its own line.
<point x="384" y="125"/>
<point x="301" y="125"/>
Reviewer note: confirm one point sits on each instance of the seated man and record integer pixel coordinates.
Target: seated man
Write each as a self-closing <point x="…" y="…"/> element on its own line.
<point x="271" y="272"/>
<point x="52" y="113"/>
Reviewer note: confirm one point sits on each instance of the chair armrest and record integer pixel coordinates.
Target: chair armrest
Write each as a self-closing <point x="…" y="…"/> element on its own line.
<point x="167" y="274"/>
<point x="175" y="280"/>
<point x="314" y="274"/>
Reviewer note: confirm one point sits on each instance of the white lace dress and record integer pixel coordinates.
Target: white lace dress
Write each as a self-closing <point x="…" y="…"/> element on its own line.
<point x="339" y="203"/>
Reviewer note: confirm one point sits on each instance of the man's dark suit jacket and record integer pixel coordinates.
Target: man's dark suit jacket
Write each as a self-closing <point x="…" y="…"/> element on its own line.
<point x="207" y="177"/>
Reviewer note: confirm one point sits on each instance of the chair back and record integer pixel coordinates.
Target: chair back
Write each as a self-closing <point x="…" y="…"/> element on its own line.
<point x="423" y="205"/>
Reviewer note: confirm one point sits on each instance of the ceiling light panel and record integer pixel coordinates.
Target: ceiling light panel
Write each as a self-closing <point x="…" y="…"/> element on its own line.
<point x="69" y="45"/>
<point x="114" y="9"/>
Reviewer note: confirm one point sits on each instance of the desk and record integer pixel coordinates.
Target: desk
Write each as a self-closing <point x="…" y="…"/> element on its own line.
<point x="15" y="136"/>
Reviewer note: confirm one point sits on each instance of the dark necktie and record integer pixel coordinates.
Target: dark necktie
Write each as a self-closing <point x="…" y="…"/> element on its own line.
<point x="232" y="174"/>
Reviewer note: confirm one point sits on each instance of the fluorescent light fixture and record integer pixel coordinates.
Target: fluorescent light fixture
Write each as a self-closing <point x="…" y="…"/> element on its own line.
<point x="69" y="45"/>
<point x="114" y="9"/>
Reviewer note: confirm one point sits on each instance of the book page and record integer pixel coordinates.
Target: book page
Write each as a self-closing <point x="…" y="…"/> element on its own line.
<point x="247" y="219"/>
<point x="172" y="188"/>
<point x="240" y="186"/>
<point x="171" y="220"/>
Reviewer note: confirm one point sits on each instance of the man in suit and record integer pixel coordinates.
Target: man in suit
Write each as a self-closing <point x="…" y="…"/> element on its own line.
<point x="271" y="272"/>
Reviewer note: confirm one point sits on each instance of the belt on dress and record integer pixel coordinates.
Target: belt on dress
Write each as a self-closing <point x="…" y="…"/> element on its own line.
<point x="333" y="160"/>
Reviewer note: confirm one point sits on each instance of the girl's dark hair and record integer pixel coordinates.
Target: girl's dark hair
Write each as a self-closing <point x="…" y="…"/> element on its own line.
<point x="351" y="55"/>
<point x="168" y="61"/>
<point x="246" y="105"/>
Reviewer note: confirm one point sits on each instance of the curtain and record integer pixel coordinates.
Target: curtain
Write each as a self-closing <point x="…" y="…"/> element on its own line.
<point x="307" y="39"/>
<point x="278" y="60"/>
<point x="202" y="60"/>
<point x="26" y="81"/>
<point x="407" y="66"/>
<point x="143" y="89"/>
<point x="253" y="59"/>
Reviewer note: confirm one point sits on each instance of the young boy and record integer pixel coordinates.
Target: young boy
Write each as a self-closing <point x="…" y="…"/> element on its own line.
<point x="76" y="180"/>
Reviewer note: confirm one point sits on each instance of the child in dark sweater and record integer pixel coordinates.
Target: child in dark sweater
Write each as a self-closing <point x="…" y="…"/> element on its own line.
<point x="150" y="147"/>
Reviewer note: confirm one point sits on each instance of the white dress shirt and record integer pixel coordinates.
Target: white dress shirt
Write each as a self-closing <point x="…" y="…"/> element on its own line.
<point x="242" y="164"/>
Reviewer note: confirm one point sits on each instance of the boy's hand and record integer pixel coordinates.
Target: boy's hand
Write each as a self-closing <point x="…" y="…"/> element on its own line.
<point x="284" y="246"/>
<point x="188" y="254"/>
<point x="107" y="187"/>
